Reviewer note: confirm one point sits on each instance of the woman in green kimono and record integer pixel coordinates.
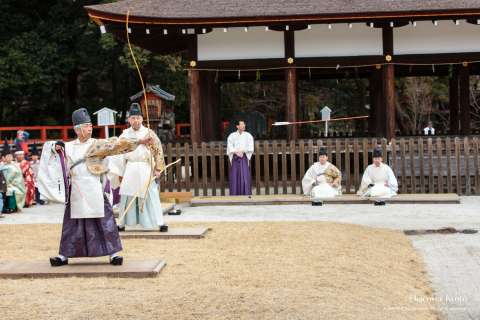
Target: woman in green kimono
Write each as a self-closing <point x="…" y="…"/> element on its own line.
<point x="15" y="199"/>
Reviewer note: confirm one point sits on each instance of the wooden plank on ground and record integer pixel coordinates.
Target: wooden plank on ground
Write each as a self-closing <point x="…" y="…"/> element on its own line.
<point x="85" y="268"/>
<point x="173" y="233"/>
<point x="300" y="199"/>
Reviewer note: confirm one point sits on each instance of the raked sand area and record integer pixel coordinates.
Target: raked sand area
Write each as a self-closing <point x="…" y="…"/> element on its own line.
<point x="241" y="270"/>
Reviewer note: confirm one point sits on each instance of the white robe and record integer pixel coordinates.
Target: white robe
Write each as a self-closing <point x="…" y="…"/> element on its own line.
<point x="49" y="180"/>
<point x="134" y="167"/>
<point x="87" y="191"/>
<point x="384" y="181"/>
<point x="240" y="142"/>
<point x="314" y="182"/>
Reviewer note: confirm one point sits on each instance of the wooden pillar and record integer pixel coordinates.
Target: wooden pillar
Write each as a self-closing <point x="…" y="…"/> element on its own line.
<point x="389" y="100"/>
<point x="210" y="118"/>
<point x="388" y="76"/>
<point x="291" y="79"/>
<point x="195" y="105"/>
<point x="376" y="125"/>
<point x="292" y="102"/>
<point x="454" y="104"/>
<point x="464" y="82"/>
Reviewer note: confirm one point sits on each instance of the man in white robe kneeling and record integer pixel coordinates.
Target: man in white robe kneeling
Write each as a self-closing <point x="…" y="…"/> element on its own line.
<point x="322" y="179"/>
<point x="378" y="180"/>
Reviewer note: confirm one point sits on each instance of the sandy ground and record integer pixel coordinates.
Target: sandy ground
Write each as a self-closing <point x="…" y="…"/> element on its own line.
<point x="247" y="270"/>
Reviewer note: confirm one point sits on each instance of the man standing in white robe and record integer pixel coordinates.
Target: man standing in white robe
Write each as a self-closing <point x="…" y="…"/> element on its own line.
<point x="50" y="179"/>
<point x="134" y="170"/>
<point x="239" y="151"/>
<point x="322" y="179"/>
<point x="378" y="180"/>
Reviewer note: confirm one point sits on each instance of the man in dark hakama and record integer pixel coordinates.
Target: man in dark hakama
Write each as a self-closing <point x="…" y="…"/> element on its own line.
<point x="89" y="228"/>
<point x="240" y="150"/>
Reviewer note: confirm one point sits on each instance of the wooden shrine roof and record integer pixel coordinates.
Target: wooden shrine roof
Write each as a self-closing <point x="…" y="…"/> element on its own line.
<point x="280" y="11"/>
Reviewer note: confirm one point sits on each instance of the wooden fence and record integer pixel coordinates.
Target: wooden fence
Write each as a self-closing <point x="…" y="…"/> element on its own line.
<point x="422" y="165"/>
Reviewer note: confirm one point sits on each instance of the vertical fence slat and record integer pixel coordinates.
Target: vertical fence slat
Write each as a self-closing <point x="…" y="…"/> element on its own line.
<point x="439" y="166"/>
<point x="394" y="158"/>
<point x="458" y="174"/>
<point x="302" y="159"/>
<point x="169" y="172"/>
<point x="431" y="186"/>
<point x="476" y="162"/>
<point x="356" y="165"/>
<point x="448" y="152"/>
<point x="347" y="166"/>
<point x="365" y="153"/>
<point x="221" y="167"/>
<point x="275" y="166"/>
<point x="204" y="169"/>
<point x="186" y="148"/>
<point x="403" y="166"/>
<point x="178" y="169"/>
<point x="266" y="166"/>
<point x="338" y="155"/>
<point x="413" y="170"/>
<point x="284" y="167"/>
<point x="466" y="155"/>
<point x="421" y="162"/>
<point x="213" y="167"/>
<point x="293" y="167"/>
<point x="258" y="174"/>
<point x="310" y="152"/>
<point x="196" y="174"/>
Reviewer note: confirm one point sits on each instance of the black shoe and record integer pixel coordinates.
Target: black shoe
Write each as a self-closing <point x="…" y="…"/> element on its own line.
<point x="116" y="261"/>
<point x="379" y="203"/>
<point x="175" y="212"/>
<point x="317" y="203"/>
<point x="57" y="262"/>
<point x="121" y="229"/>
<point x="164" y="228"/>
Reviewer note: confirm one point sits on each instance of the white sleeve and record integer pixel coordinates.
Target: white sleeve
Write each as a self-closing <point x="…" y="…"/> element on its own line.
<point x="392" y="180"/>
<point x="366" y="180"/>
<point x="230" y="149"/>
<point x="250" y="147"/>
<point x="308" y="180"/>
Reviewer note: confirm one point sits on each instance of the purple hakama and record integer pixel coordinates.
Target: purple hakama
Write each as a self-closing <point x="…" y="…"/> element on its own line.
<point x="90" y="237"/>
<point x="240" y="179"/>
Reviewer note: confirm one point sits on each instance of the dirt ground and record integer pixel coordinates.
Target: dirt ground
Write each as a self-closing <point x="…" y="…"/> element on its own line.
<point x="258" y="270"/>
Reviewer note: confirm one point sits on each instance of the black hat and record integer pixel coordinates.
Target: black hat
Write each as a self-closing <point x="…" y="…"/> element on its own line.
<point x="80" y="116"/>
<point x="34" y="150"/>
<point x="377" y="153"/>
<point x="322" y="151"/>
<point x="6" y="148"/>
<point x="135" y="110"/>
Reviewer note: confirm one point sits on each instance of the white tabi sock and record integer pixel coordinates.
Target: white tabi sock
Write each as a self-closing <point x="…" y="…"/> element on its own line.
<point x="63" y="258"/>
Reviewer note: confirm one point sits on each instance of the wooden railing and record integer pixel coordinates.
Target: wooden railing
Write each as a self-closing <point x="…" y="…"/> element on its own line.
<point x="422" y="165"/>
